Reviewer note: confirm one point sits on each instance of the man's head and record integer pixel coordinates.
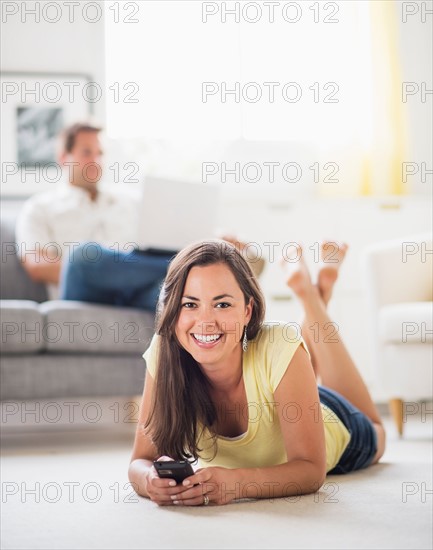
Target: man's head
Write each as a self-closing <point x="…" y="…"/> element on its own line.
<point x="80" y="155"/>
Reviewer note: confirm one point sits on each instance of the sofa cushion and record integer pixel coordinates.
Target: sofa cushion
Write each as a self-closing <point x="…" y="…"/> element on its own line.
<point x="22" y="327"/>
<point x="15" y="284"/>
<point x="406" y="323"/>
<point x="79" y="327"/>
<point x="54" y="376"/>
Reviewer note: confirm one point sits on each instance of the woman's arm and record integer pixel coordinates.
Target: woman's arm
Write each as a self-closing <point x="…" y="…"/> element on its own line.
<point x="144" y="451"/>
<point x="304" y="437"/>
<point x="141" y="472"/>
<point x="305" y="469"/>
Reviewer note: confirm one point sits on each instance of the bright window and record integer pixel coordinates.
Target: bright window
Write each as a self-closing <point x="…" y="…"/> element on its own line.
<point x="306" y="76"/>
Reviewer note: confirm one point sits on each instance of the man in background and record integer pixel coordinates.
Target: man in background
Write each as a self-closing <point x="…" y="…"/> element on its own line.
<point x="79" y="239"/>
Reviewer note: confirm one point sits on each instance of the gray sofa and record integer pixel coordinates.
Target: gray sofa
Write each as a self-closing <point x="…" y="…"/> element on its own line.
<point x="54" y="349"/>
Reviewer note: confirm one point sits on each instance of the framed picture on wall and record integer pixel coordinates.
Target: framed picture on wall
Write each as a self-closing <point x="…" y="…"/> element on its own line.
<point x="35" y="108"/>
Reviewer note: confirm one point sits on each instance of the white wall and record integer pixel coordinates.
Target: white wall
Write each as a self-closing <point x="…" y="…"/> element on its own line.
<point x="30" y="43"/>
<point x="77" y="47"/>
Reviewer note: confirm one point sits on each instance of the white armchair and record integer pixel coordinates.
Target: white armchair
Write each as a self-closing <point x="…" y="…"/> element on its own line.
<point x="398" y="278"/>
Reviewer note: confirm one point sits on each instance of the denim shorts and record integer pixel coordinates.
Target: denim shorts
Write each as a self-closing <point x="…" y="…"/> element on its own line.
<point x="362" y="446"/>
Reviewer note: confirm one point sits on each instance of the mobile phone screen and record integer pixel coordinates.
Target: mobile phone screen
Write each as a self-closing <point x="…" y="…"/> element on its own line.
<point x="173" y="469"/>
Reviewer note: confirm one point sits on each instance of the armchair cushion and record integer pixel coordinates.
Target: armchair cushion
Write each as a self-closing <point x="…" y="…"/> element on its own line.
<point x="409" y="322"/>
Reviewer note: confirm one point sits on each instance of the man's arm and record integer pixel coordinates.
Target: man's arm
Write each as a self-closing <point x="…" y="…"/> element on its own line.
<point x="40" y="268"/>
<point x="42" y="262"/>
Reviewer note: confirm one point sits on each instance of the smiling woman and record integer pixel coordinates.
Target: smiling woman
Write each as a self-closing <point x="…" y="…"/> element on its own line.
<point x="239" y="395"/>
<point x="201" y="299"/>
<point x="209" y="327"/>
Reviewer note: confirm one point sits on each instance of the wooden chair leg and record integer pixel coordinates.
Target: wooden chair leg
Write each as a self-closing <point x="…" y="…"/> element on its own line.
<point x="396" y="410"/>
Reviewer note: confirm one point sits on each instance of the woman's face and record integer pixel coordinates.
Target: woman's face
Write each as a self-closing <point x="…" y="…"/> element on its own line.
<point x="213" y="314"/>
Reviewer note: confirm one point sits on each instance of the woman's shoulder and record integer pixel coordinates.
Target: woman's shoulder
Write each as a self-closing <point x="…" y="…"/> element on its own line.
<point x="151" y="354"/>
<point x="277" y="333"/>
<point x="273" y="349"/>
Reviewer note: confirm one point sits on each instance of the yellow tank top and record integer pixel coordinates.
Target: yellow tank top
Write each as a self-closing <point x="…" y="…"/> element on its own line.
<point x="264" y="365"/>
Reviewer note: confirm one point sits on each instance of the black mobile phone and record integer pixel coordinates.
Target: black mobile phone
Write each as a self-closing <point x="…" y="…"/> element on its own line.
<point x="173" y="469"/>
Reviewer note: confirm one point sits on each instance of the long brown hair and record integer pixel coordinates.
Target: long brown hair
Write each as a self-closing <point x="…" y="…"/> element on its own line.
<point x="181" y="404"/>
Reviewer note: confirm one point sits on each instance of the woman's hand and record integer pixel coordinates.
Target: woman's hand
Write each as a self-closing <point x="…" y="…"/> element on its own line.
<point x="217" y="484"/>
<point x="161" y="490"/>
<point x="211" y="485"/>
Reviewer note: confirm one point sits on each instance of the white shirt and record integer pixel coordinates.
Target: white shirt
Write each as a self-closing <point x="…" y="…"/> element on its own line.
<point x="59" y="221"/>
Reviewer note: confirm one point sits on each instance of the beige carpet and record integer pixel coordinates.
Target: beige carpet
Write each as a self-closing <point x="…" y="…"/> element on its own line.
<point x="386" y="506"/>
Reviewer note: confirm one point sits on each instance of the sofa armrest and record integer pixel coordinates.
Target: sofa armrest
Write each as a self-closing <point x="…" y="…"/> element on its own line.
<point x="399" y="271"/>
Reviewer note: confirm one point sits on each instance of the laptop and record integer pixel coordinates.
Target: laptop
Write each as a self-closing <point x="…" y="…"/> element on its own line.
<point x="175" y="213"/>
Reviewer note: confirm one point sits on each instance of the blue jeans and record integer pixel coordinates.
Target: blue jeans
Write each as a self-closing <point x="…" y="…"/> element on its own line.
<point x="363" y="440"/>
<point x="104" y="276"/>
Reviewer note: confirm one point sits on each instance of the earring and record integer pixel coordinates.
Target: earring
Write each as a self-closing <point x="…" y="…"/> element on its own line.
<point x="245" y="339"/>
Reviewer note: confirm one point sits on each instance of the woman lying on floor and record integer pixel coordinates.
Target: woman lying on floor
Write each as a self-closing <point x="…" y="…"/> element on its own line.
<point x="241" y="395"/>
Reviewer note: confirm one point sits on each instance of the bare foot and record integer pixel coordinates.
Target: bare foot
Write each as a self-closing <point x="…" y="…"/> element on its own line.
<point x="296" y="271"/>
<point x="332" y="255"/>
<point x="234" y="241"/>
<point x="254" y="259"/>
